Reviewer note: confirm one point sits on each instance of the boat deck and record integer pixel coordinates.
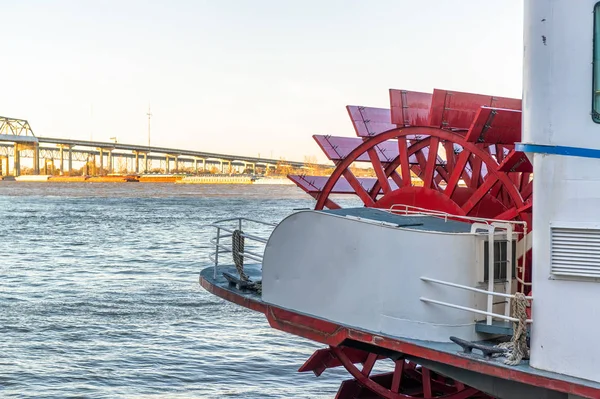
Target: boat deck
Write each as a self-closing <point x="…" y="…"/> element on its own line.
<point x="415" y="222"/>
<point x="444" y="352"/>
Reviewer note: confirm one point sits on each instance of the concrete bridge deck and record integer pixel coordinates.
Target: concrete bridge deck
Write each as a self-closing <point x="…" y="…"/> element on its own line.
<point x="18" y="141"/>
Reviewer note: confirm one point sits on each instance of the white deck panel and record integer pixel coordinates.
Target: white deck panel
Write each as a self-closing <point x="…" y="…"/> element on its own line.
<point x="368" y="276"/>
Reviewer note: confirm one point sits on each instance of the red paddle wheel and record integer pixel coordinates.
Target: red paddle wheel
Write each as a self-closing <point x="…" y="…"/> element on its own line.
<point x="447" y="151"/>
<point x="406" y="380"/>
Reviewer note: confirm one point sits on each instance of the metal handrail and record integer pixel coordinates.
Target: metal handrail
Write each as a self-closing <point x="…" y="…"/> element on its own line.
<point x="245" y="235"/>
<point x="489" y="314"/>
<point x="490" y="295"/>
<point x="221" y="248"/>
<point x="214" y="224"/>
<point x="466" y="287"/>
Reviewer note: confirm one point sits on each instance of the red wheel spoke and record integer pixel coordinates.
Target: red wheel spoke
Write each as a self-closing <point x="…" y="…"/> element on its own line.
<point x="426" y="382"/>
<point x="459" y="168"/>
<point x="524" y="180"/>
<point x="368" y="364"/>
<point x="431" y="161"/>
<point x="422" y="164"/>
<point x="397" y="379"/>
<point x="442" y="174"/>
<point x="527" y="191"/>
<point x="397" y="179"/>
<point x="504" y="196"/>
<point x="479" y="193"/>
<point x="495" y="192"/>
<point x="476" y="172"/>
<point x="331" y="205"/>
<point x="499" y="153"/>
<point x="450" y="155"/>
<point x="404" y="164"/>
<point x="358" y="188"/>
<point x="328" y="203"/>
<point x="508" y="214"/>
<point x="379" y="171"/>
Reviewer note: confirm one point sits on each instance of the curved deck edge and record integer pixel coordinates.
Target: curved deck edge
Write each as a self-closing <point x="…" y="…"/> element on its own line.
<point x="332" y="334"/>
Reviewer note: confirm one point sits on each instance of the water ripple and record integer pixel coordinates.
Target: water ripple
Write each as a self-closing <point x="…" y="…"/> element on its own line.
<point x="100" y="296"/>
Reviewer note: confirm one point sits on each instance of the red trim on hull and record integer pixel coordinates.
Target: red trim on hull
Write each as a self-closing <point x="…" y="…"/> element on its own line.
<point x="332" y="334"/>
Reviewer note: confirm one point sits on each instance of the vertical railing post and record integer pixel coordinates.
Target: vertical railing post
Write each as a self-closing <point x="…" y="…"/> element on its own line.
<point x="509" y="268"/>
<point x="490" y="298"/>
<point x="217" y="252"/>
<point x="523" y="263"/>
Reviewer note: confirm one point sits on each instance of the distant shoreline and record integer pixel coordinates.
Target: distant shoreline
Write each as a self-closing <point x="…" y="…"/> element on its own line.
<point x="154" y="178"/>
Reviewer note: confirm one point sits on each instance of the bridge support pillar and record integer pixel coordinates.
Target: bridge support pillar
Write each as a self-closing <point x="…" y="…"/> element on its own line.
<point x="62" y="161"/>
<point x="176" y="161"/>
<point x="4" y="165"/>
<point x="17" y="161"/>
<point x="101" y="151"/>
<point x="36" y="159"/>
<point x="48" y="166"/>
<point x="109" y="161"/>
<point x="70" y="160"/>
<point x="167" y="166"/>
<point x="146" y="162"/>
<point x="137" y="162"/>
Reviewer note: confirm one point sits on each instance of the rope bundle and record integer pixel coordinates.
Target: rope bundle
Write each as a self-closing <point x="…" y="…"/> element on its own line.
<point x="237" y="241"/>
<point x="237" y="246"/>
<point x="516" y="348"/>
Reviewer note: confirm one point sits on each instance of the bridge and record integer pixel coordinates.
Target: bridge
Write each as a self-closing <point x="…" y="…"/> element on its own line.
<point x="17" y="141"/>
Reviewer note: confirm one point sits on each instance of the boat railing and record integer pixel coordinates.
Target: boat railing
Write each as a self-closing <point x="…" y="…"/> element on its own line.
<point x="223" y="239"/>
<point x="417" y="211"/>
<point x="488" y="312"/>
<point x="523" y="239"/>
<point x="494" y="229"/>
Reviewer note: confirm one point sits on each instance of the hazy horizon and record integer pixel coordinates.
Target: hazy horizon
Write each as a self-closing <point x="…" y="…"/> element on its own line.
<point x="243" y="77"/>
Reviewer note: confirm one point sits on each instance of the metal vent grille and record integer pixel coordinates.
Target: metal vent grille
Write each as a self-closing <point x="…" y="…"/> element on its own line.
<point x="576" y="252"/>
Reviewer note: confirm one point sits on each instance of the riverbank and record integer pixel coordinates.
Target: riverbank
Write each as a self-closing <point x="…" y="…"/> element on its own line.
<point x="154" y="178"/>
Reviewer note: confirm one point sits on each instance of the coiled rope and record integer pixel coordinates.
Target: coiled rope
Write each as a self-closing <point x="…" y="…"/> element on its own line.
<point x="237" y="246"/>
<point x="516" y="348"/>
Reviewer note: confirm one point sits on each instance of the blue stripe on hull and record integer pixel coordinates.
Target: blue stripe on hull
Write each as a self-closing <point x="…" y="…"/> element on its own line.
<point x="558" y="150"/>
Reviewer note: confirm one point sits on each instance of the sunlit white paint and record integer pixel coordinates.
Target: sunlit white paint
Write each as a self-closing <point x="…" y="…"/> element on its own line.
<point x="367" y="276"/>
<point x="557" y="111"/>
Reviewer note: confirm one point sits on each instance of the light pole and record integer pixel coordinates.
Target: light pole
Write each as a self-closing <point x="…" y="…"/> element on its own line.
<point x="149" y="116"/>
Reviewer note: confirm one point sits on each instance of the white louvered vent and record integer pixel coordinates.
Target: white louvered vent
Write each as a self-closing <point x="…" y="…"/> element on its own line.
<point x="576" y="252"/>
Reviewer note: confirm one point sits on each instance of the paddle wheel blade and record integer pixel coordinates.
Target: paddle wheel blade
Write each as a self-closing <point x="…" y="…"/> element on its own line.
<point x="315" y="184"/>
<point x="337" y="148"/>
<point x="323" y="359"/>
<point x="516" y="161"/>
<point x="495" y="126"/>
<point x="409" y="108"/>
<point x="369" y="121"/>
<point x="457" y="110"/>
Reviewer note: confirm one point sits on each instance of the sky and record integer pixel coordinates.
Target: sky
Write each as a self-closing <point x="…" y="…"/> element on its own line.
<point x="244" y="77"/>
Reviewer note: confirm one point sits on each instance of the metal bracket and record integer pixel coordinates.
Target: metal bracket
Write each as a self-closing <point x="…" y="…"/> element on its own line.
<point x="468" y="347"/>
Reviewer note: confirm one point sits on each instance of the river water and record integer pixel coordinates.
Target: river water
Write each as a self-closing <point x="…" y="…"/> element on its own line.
<point x="99" y="296"/>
